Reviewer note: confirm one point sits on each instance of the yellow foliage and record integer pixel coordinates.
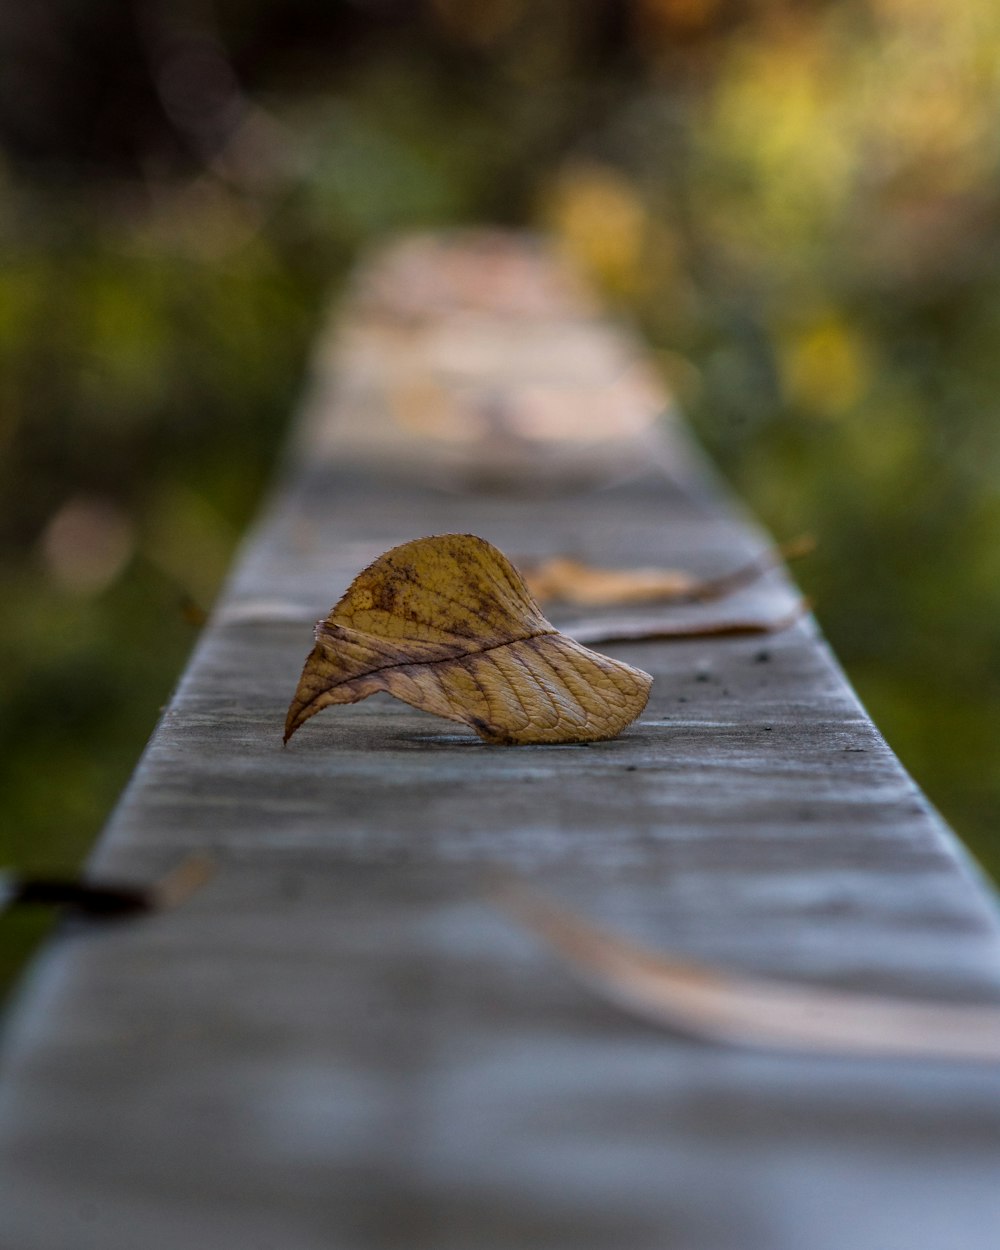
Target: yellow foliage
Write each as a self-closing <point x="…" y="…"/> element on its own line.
<point x="600" y="218"/>
<point x="825" y="368"/>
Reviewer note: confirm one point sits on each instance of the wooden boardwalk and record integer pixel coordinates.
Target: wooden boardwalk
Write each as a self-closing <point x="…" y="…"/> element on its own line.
<point x="340" y="1043"/>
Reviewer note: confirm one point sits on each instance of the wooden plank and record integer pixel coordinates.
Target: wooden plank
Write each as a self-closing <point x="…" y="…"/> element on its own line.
<point x="341" y="1042"/>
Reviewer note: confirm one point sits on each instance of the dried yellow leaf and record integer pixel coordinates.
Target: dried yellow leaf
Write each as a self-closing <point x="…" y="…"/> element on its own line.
<point x="448" y="625"/>
<point x="572" y="581"/>
<point x="588" y="585"/>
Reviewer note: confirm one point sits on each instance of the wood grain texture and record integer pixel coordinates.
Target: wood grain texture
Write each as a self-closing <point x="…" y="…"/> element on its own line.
<point x="339" y="1042"/>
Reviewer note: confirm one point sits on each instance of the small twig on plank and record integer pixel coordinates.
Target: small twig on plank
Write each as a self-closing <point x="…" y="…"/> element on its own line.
<point x="107" y="899"/>
<point x="726" y="583"/>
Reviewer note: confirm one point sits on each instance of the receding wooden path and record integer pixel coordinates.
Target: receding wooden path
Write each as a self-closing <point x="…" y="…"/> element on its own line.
<point x="339" y="1042"/>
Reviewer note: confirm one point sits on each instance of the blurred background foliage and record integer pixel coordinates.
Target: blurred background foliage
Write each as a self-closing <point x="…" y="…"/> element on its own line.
<point x="799" y="203"/>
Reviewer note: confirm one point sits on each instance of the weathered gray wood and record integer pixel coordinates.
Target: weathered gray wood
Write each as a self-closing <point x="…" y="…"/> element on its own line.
<point x="339" y="1042"/>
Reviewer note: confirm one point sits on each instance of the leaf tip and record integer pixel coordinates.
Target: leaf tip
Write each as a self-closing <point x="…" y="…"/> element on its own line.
<point x="293" y="720"/>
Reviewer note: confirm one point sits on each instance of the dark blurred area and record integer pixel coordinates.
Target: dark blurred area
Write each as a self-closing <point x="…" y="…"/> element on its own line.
<point x="799" y="202"/>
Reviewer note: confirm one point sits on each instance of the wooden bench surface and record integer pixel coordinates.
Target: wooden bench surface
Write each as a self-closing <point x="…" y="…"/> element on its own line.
<point x="341" y="1041"/>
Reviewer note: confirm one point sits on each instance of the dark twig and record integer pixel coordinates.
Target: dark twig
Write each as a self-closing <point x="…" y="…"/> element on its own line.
<point x="109" y="899"/>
